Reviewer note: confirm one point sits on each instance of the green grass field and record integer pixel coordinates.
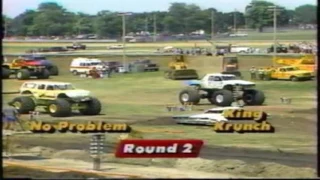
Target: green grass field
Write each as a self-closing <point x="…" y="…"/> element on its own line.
<point x="143" y="96"/>
<point x="140" y="99"/>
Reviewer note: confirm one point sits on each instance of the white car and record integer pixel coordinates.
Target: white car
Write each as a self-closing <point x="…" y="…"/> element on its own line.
<point x="209" y="117"/>
<point x="240" y="49"/>
<point x="115" y="47"/>
<point x="238" y="35"/>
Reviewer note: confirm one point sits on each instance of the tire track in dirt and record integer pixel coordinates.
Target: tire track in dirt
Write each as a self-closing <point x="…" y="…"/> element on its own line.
<point x="211" y="152"/>
<point x="208" y="152"/>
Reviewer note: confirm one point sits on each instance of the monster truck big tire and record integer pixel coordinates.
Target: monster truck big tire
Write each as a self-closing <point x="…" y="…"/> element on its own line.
<point x="253" y="97"/>
<point x="45" y="74"/>
<point x="222" y="98"/>
<point x="294" y="78"/>
<point x="24" y="104"/>
<point x="54" y="71"/>
<point x="209" y="97"/>
<point x="23" y="74"/>
<point x="189" y="96"/>
<point x="5" y="73"/>
<point x="74" y="72"/>
<point x="59" y="108"/>
<point x="93" y="107"/>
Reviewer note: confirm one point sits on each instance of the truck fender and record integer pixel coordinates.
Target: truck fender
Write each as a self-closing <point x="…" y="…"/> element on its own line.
<point x="192" y="82"/>
<point x="26" y="92"/>
<point x="228" y="87"/>
<point x="62" y="95"/>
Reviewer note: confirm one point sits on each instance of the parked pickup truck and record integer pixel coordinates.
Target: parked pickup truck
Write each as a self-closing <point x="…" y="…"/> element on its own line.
<point x="76" y="46"/>
<point x="289" y="73"/>
<point x="240" y="49"/>
<point x="147" y="65"/>
<point x="115" y="47"/>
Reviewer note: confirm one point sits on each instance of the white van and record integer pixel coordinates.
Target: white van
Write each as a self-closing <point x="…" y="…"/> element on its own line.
<point x="84" y="65"/>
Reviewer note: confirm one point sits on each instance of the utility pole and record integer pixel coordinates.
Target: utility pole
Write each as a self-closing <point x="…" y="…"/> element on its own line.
<point x="124" y="38"/>
<point x="275" y="9"/>
<point x="5" y="29"/>
<point x="146" y="25"/>
<point x="246" y="24"/>
<point x="248" y="8"/>
<point x="235" y="21"/>
<point x="212" y="31"/>
<point x="154" y="28"/>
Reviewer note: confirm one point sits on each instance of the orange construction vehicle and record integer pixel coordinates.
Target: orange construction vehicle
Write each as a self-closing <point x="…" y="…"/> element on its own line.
<point x="307" y="62"/>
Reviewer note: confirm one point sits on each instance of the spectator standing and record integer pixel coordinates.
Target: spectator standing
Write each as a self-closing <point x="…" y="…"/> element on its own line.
<point x="10" y="116"/>
<point x="253" y="72"/>
<point x="261" y="74"/>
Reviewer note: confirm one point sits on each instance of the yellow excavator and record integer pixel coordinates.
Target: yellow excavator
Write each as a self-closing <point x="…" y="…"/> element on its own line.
<point x="178" y="69"/>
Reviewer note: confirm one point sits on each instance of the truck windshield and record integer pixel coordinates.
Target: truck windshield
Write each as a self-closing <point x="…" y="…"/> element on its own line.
<point x="64" y="87"/>
<point x="33" y="57"/>
<point x="95" y="63"/>
<point x="292" y="69"/>
<point x="226" y="78"/>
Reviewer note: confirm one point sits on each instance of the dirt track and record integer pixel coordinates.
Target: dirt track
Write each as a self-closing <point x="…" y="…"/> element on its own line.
<point x="211" y="153"/>
<point x="207" y="152"/>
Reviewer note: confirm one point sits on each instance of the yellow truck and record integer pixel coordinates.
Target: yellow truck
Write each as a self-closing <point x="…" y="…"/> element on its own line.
<point x="59" y="99"/>
<point x="306" y="62"/>
<point x="287" y="73"/>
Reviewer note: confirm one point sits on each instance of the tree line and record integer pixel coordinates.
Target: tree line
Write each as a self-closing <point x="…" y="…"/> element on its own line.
<point x="51" y="19"/>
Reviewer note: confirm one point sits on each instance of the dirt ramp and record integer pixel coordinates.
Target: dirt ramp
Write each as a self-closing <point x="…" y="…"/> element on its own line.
<point x="110" y="158"/>
<point x="277" y="170"/>
<point x="72" y="154"/>
<point x="21" y="172"/>
<point x="236" y="167"/>
<point x="43" y="151"/>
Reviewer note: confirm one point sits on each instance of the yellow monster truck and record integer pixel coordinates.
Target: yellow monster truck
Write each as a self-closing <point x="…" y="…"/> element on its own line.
<point x="24" y="69"/>
<point x="288" y="73"/>
<point x="59" y="99"/>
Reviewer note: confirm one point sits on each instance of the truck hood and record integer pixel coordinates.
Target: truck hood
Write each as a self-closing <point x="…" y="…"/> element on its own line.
<point x="240" y="82"/>
<point x="217" y="117"/>
<point x="39" y="62"/>
<point x="299" y="72"/>
<point x="209" y="116"/>
<point x="77" y="93"/>
<point x="190" y="82"/>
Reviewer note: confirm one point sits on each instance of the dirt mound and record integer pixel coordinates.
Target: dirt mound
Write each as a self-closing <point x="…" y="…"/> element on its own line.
<point x="19" y="172"/>
<point x="280" y="171"/>
<point x="164" y="162"/>
<point x="195" y="164"/>
<point x="237" y="167"/>
<point x="43" y="151"/>
<point x="72" y="154"/>
<point x="134" y="134"/>
<point x="110" y="158"/>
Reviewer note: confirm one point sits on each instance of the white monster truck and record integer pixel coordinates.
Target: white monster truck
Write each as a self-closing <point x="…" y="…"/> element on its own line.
<point x="219" y="90"/>
<point x="57" y="98"/>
